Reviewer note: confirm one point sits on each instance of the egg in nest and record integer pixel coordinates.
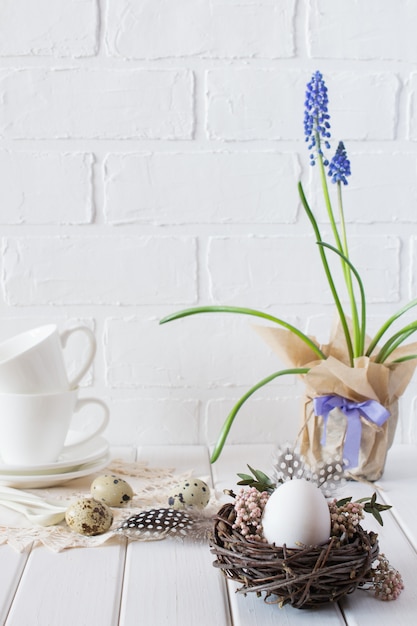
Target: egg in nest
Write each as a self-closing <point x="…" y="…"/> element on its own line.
<point x="296" y="514"/>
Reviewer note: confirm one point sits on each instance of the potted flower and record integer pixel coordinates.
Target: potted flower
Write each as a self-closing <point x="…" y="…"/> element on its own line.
<point x="353" y="383"/>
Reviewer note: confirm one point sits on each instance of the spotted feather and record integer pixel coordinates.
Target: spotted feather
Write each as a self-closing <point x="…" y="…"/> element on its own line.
<point x="157" y="524"/>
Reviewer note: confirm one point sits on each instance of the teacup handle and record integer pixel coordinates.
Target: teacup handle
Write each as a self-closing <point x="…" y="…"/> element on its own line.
<point x="82" y="402"/>
<point x="92" y="345"/>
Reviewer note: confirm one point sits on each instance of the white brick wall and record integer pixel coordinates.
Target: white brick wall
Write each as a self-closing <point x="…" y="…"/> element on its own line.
<point x="53" y="28"/>
<point x="149" y="157"/>
<point x="64" y="103"/>
<point x="215" y="30"/>
<point x="28" y="195"/>
<point x="227" y="187"/>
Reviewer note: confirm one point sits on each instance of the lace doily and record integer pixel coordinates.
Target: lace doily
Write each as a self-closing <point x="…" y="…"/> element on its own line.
<point x="151" y="486"/>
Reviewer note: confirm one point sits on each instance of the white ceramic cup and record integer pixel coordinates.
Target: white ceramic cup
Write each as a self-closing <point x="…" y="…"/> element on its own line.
<point x="33" y="361"/>
<point x="34" y="427"/>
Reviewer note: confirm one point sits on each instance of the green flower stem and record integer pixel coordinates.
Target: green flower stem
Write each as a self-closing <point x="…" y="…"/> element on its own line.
<point x="362" y="331"/>
<point x="342" y="247"/>
<point x="245" y="311"/>
<point x="396" y="340"/>
<point x="358" y="337"/>
<point x="230" y="418"/>
<point x="387" y="324"/>
<point x="329" y="277"/>
<point x="327" y="195"/>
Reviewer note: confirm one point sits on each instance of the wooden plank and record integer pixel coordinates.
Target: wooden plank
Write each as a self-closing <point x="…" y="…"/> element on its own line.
<point x="12" y="566"/>
<point x="182" y="458"/>
<point x="236" y="458"/>
<point x="80" y="586"/>
<point x="173" y="582"/>
<point x="398" y="486"/>
<point x="251" y="610"/>
<point x="395" y="545"/>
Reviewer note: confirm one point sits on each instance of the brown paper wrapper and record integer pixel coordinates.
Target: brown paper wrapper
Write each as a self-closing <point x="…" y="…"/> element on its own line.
<point x="366" y="380"/>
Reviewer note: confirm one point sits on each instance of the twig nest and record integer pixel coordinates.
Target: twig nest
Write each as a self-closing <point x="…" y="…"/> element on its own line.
<point x="88" y="516"/>
<point x="297" y="514"/>
<point x="302" y="577"/>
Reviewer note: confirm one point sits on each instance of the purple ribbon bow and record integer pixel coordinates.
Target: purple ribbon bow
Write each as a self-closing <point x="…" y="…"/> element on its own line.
<point x="369" y="409"/>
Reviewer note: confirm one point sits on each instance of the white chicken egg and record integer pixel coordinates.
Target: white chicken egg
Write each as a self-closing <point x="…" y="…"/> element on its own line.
<point x="296" y="513"/>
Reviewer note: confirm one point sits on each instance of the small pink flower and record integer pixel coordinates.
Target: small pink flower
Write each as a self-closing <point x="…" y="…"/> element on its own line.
<point x="249" y="505"/>
<point x="387" y="581"/>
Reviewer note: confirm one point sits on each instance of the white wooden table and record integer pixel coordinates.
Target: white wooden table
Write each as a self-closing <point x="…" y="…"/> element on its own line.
<point x="174" y="583"/>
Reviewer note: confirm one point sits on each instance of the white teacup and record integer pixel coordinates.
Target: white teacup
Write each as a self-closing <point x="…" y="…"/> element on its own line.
<point x="33" y="427"/>
<point x="33" y="361"/>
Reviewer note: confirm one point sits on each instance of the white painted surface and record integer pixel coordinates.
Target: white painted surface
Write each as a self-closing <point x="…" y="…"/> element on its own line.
<point x="168" y="582"/>
<point x="149" y="156"/>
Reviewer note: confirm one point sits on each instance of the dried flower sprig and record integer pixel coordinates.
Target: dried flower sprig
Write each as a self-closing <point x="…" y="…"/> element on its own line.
<point x="372" y="506"/>
<point x="337" y="169"/>
<point x="365" y="505"/>
<point x="387" y="582"/>
<point x="249" y="505"/>
<point x="345" y="517"/>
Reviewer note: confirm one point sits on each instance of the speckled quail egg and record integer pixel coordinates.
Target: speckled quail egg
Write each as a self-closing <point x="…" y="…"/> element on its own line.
<point x="193" y="492"/>
<point x="111" y="489"/>
<point x="88" y="516"/>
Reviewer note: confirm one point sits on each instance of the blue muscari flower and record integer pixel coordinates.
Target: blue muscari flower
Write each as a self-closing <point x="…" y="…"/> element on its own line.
<point x="316" y="117"/>
<point x="339" y="168"/>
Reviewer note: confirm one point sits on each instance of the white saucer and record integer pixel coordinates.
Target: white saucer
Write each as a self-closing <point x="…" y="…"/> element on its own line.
<point x="81" y="454"/>
<point x="31" y="481"/>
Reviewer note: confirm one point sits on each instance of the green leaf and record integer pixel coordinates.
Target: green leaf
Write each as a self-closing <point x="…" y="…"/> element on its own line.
<point x="230" y="418"/>
<point x="328" y="273"/>
<point x="409" y="357"/>
<point x="395" y="341"/>
<point x="260" y="476"/>
<point x="245" y="477"/>
<point x="373" y="507"/>
<point x="377" y="516"/>
<point x="259" y="480"/>
<point x="362" y="328"/>
<point x="260" y="486"/>
<point x="387" y="324"/>
<point x="343" y="501"/>
<point x="383" y="507"/>
<point x="245" y="311"/>
<point x="245" y="483"/>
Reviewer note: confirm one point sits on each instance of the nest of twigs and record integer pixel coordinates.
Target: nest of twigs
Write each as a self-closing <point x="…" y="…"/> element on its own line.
<point x="304" y="577"/>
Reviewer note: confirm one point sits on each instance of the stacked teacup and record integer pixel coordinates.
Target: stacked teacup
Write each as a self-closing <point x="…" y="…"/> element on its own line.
<point x="38" y="403"/>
